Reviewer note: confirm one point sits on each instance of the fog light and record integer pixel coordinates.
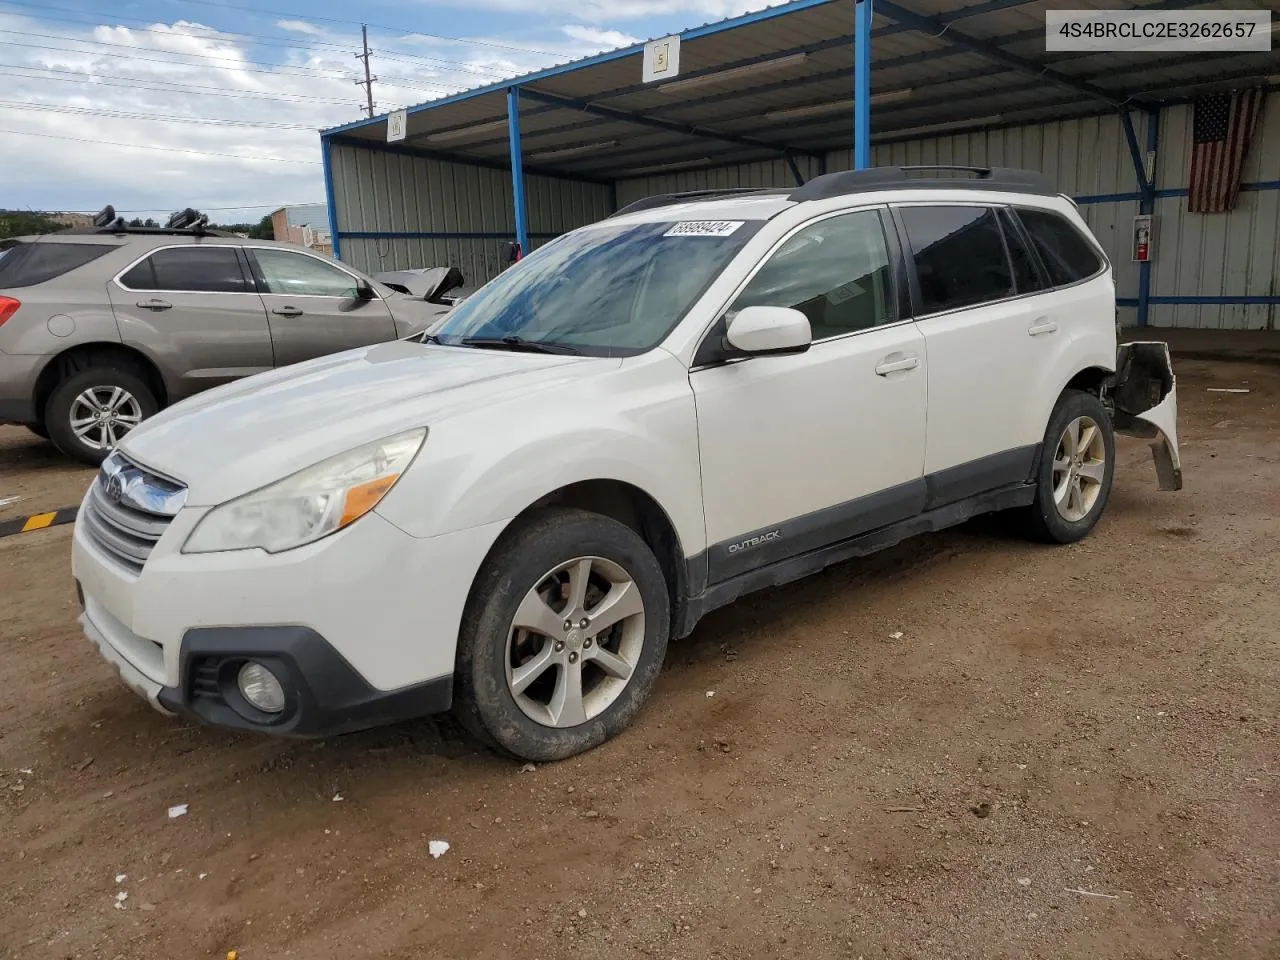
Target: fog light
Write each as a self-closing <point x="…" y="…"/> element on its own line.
<point x="259" y="686"/>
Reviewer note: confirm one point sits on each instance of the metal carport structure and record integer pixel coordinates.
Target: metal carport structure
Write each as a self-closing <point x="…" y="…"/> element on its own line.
<point x="781" y="95"/>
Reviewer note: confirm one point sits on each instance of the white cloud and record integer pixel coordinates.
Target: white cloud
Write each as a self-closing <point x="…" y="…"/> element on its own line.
<point x="299" y="26"/>
<point x="62" y="112"/>
<point x="598" y="38"/>
<point x="598" y="11"/>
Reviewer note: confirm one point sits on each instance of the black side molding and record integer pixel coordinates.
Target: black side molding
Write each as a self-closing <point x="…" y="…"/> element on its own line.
<point x="793" y="568"/>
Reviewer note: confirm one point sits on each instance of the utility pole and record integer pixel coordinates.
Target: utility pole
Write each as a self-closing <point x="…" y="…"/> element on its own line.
<point x="367" y="82"/>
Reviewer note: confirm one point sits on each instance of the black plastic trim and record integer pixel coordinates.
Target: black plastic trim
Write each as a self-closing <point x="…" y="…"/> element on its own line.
<point x="1002" y="179"/>
<point x="814" y="531"/>
<point x="17" y="411"/>
<point x="325" y="694"/>
<point x="977" y="476"/>
<point x="785" y="571"/>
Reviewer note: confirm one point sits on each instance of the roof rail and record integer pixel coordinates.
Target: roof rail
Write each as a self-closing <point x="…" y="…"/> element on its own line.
<point x="1007" y="179"/>
<point x="667" y="199"/>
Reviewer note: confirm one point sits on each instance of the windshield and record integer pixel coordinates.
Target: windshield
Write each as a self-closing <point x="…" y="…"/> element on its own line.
<point x="608" y="291"/>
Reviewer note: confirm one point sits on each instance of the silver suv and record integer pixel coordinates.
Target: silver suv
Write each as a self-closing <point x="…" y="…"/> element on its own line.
<point x="103" y="326"/>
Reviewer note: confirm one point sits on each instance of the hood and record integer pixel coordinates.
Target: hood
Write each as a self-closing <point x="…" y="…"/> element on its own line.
<point x="233" y="439"/>
<point x="424" y="283"/>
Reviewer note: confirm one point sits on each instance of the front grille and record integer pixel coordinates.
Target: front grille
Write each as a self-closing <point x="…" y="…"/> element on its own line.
<point x="120" y="527"/>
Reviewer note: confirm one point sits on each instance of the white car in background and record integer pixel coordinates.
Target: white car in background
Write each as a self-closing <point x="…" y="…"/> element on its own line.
<point x="641" y="421"/>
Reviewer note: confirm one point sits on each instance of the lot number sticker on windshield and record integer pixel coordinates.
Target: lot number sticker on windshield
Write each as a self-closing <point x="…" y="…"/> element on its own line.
<point x="704" y="228"/>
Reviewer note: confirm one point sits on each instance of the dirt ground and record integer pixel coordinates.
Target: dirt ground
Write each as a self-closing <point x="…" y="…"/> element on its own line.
<point x="1068" y="753"/>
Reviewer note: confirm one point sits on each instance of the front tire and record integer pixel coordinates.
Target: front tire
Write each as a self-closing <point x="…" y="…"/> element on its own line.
<point x="563" y="637"/>
<point x="1077" y="466"/>
<point x="90" y="411"/>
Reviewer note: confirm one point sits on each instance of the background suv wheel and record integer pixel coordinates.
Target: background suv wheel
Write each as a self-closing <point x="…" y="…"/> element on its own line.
<point x="90" y="411"/>
<point x="564" y="636"/>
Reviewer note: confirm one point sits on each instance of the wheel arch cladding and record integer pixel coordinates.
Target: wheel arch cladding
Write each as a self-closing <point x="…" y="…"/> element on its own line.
<point x="85" y="356"/>
<point x="632" y="507"/>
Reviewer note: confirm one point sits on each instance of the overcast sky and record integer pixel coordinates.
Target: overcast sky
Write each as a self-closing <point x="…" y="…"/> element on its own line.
<point x="234" y="92"/>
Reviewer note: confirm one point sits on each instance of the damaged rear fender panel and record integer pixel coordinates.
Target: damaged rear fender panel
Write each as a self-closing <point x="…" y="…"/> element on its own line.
<point x="1144" y="396"/>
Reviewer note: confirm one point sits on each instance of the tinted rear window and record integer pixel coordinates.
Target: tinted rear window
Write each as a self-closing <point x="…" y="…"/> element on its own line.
<point x="189" y="269"/>
<point x="27" y="264"/>
<point x="1067" y="256"/>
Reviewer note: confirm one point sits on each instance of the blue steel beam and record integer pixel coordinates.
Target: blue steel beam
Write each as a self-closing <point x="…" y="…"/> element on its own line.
<point x="520" y="211"/>
<point x="643" y="121"/>
<point x="331" y="205"/>
<point x="862" y="84"/>
<point x="1147" y="205"/>
<point x="400" y="149"/>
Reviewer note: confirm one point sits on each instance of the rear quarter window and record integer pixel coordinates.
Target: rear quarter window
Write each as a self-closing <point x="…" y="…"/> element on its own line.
<point x="1066" y="253"/>
<point x="26" y="264"/>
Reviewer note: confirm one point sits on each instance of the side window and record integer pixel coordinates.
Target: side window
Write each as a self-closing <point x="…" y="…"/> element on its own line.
<point x="301" y="275"/>
<point x="1026" y="275"/>
<point x="1067" y="256"/>
<point x="836" y="272"/>
<point x="32" y="263"/>
<point x="959" y="256"/>
<point x="189" y="270"/>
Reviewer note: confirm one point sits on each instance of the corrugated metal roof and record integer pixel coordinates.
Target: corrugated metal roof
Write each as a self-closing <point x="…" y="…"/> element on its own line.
<point x="780" y="80"/>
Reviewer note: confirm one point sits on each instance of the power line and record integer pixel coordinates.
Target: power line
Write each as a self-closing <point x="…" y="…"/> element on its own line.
<point x="112" y="114"/>
<point x="216" y="34"/>
<point x="153" y="146"/>
<point x="276" y="70"/>
<point x="195" y="90"/>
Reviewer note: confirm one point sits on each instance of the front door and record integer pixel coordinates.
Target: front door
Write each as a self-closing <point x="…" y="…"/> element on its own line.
<point x="802" y="451"/>
<point x="313" y="306"/>
<point x="193" y="309"/>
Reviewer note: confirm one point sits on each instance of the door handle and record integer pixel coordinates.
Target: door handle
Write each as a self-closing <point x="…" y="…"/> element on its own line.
<point x="287" y="311"/>
<point x="1041" y="326"/>
<point x="156" y="305"/>
<point x="887" y="366"/>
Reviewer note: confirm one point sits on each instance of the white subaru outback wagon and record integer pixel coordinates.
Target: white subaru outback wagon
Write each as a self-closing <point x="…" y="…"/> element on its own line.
<point x="705" y="394"/>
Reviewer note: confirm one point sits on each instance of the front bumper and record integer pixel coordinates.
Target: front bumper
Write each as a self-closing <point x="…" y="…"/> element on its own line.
<point x="361" y="627"/>
<point x="324" y="694"/>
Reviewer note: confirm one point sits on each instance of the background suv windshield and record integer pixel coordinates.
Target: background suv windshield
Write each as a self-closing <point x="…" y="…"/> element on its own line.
<point x="605" y="291"/>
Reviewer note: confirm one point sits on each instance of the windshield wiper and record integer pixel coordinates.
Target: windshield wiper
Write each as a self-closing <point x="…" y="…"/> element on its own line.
<point x="512" y="342"/>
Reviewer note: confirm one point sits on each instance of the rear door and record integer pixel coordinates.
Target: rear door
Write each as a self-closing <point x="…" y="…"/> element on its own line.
<point x="194" y="310"/>
<point x="313" y="305"/>
<point x="988" y="342"/>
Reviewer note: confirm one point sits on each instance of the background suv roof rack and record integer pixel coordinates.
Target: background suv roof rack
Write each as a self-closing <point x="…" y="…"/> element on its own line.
<point x="667" y="199"/>
<point x="1006" y="179"/>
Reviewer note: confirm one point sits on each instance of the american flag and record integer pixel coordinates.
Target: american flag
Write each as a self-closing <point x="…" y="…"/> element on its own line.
<point x="1223" y="125"/>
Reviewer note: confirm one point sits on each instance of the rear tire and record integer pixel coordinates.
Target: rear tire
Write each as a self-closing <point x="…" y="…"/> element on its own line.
<point x="38" y="429"/>
<point x="596" y="601"/>
<point x="1077" y="465"/>
<point x="91" y="410"/>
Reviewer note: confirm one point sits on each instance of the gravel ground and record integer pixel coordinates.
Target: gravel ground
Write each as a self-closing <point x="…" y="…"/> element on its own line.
<point x="1069" y="753"/>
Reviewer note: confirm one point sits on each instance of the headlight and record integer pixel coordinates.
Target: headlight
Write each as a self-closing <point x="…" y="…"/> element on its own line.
<point x="311" y="504"/>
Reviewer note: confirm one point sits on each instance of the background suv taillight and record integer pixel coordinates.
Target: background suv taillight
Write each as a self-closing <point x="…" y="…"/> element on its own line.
<point x="8" y="307"/>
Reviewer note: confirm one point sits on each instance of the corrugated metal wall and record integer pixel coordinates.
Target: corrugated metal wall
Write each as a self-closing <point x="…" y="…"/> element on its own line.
<point x="1201" y="255"/>
<point x="766" y="173"/>
<point x="1221" y="254"/>
<point x="378" y="192"/>
<point x="1214" y="255"/>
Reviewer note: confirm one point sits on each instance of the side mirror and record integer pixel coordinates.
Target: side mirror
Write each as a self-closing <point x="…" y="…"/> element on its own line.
<point x="765" y="331"/>
<point x="366" y="292"/>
